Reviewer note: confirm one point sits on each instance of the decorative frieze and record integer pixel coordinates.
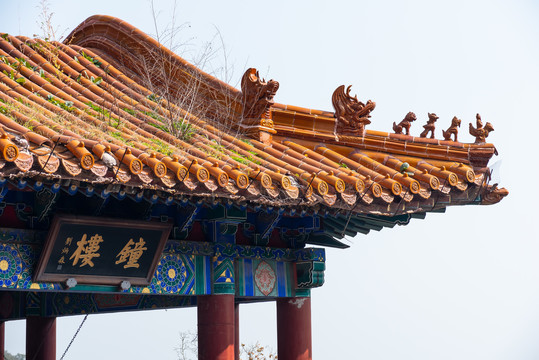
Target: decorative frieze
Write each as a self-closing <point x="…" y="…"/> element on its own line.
<point x="264" y="278"/>
<point x="20" y="304"/>
<point x="223" y="275"/>
<point x="188" y="269"/>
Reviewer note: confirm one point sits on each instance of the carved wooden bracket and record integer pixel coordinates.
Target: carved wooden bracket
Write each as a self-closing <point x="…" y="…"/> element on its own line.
<point x="257" y="99"/>
<point x="352" y="115"/>
<point x="480" y="133"/>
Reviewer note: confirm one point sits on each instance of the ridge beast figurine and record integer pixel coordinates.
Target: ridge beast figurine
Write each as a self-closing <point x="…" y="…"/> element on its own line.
<point x="257" y="94"/>
<point x="480" y="133"/>
<point x="405" y="124"/>
<point x="352" y="115"/>
<point x="429" y="126"/>
<point x="452" y="130"/>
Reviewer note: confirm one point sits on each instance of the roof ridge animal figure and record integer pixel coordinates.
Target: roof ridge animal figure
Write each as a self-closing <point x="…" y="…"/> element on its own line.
<point x="480" y="133"/>
<point x="452" y="130"/>
<point x="257" y="94"/>
<point x="352" y="115"/>
<point x="405" y="124"/>
<point x="429" y="126"/>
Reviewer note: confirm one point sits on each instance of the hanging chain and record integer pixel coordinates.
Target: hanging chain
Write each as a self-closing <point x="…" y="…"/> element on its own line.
<point x="74" y="336"/>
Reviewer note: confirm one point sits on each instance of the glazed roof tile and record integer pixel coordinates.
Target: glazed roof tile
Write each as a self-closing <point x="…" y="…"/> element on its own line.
<point x="91" y="112"/>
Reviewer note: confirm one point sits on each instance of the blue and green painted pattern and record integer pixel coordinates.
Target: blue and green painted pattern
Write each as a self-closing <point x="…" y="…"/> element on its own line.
<point x="246" y="283"/>
<point x="223" y="275"/>
<point x="69" y="303"/>
<point x="185" y="268"/>
<point x="21" y="236"/>
<point x="179" y="274"/>
<point x="310" y="274"/>
<point x="17" y="263"/>
<point x="244" y="251"/>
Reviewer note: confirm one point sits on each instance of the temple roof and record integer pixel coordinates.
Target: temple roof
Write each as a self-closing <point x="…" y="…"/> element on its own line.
<point x="110" y="109"/>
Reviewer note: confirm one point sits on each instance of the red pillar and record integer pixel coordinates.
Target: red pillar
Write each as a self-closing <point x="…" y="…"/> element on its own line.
<point x="2" y="339"/>
<point x="237" y="331"/>
<point x="294" y="329"/>
<point x="216" y="331"/>
<point x="41" y="338"/>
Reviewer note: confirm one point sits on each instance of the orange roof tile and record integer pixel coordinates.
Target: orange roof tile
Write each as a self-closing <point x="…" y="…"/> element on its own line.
<point x="97" y="110"/>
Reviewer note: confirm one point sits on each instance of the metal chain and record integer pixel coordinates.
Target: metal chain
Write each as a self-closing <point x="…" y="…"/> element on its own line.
<point x="74" y="336"/>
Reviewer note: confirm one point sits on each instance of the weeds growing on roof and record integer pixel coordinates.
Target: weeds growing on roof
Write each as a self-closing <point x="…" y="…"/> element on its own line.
<point x="174" y="99"/>
<point x="181" y="107"/>
<point x="45" y="22"/>
<point x="91" y="59"/>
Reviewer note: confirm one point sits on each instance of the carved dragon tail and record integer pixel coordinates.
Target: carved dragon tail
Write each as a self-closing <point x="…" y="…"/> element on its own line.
<point x="395" y="127"/>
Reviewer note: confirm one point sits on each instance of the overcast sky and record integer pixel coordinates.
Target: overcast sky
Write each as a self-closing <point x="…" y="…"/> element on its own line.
<point x="459" y="285"/>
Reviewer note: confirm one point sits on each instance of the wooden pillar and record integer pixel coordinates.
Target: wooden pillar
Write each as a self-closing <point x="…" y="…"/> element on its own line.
<point x="6" y="307"/>
<point x="2" y="339"/>
<point x="41" y="338"/>
<point x="216" y="330"/>
<point x="294" y="329"/>
<point x="237" y="331"/>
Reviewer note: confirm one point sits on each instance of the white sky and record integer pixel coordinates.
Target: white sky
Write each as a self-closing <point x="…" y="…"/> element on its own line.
<point x="459" y="285"/>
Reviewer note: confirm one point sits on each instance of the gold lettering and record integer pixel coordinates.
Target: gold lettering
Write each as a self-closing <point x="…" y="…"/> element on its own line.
<point x="68" y="241"/>
<point x="87" y="250"/>
<point x="62" y="260"/>
<point x="65" y="250"/>
<point x="131" y="255"/>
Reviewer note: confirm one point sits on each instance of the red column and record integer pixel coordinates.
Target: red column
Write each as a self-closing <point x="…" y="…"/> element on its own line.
<point x="41" y="338"/>
<point x="237" y="331"/>
<point x="216" y="331"/>
<point x="2" y="339"/>
<point x="6" y="306"/>
<point x="294" y="329"/>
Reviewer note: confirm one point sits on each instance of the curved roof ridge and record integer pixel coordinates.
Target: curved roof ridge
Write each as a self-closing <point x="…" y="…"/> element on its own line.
<point x="135" y="50"/>
<point x="109" y="26"/>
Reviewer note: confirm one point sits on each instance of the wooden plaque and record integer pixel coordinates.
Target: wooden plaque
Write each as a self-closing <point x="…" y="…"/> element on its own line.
<point x="101" y="251"/>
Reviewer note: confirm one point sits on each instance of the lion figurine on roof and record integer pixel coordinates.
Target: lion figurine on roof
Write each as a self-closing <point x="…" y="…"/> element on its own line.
<point x="405" y="124"/>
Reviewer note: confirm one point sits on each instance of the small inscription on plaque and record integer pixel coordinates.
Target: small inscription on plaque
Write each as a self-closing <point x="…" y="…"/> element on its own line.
<point x="101" y="251"/>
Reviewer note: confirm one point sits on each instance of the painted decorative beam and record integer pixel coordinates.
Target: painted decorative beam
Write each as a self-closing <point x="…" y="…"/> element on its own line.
<point x="184" y="268"/>
<point x="19" y="304"/>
